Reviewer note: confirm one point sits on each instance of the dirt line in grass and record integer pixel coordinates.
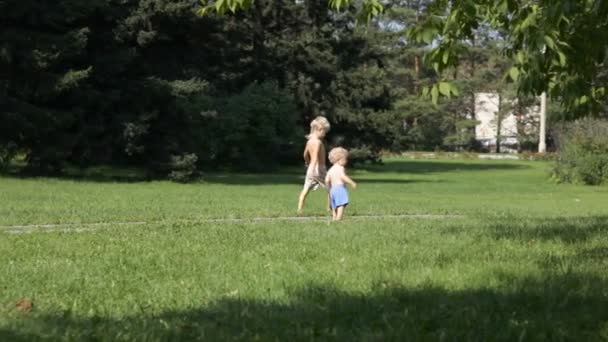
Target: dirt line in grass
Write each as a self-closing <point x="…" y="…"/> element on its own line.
<point x="66" y="227"/>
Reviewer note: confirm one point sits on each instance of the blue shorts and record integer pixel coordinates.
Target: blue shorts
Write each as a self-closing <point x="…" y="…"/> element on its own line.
<point x="339" y="196"/>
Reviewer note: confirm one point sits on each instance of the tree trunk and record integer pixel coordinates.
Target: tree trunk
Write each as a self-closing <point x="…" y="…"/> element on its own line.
<point x="498" y="123"/>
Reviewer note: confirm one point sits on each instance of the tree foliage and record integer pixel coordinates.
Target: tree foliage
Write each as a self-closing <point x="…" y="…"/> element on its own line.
<point x="549" y="43"/>
<point x="367" y="8"/>
<point x="145" y="82"/>
<point x="149" y="83"/>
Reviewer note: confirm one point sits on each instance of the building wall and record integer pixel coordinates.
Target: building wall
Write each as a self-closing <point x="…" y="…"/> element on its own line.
<point x="486" y="112"/>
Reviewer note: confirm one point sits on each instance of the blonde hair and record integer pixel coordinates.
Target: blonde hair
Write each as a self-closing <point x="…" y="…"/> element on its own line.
<point x="319" y="123"/>
<point x="336" y="154"/>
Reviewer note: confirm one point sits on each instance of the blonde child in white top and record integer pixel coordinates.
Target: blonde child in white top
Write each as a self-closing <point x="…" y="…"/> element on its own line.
<point x="314" y="157"/>
<point x="336" y="179"/>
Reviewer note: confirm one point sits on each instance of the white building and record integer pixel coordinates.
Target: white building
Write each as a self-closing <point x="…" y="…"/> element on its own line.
<point x="486" y="113"/>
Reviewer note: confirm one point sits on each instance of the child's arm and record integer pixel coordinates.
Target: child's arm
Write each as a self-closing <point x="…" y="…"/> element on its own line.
<point x="349" y="181"/>
<point x="327" y="181"/>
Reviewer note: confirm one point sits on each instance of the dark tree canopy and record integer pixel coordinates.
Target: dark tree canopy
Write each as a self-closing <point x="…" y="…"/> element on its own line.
<point x="151" y="84"/>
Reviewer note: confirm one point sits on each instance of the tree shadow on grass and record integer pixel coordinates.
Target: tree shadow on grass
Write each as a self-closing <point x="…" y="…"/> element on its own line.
<point x="228" y="178"/>
<point x="95" y="174"/>
<point x="296" y="176"/>
<point x="597" y="254"/>
<point x="288" y="178"/>
<point x="546" y="306"/>
<point x="288" y="175"/>
<point x="212" y="178"/>
<point x="568" y="230"/>
<point x="422" y="167"/>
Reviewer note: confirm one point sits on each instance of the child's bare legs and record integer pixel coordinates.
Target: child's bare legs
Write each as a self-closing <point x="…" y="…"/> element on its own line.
<point x="302" y="199"/>
<point x="338" y="213"/>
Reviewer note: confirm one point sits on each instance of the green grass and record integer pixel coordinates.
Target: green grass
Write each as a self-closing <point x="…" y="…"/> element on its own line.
<point x="527" y="261"/>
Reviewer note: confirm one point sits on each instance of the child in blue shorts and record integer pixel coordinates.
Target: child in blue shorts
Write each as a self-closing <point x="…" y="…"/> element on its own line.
<point x="336" y="181"/>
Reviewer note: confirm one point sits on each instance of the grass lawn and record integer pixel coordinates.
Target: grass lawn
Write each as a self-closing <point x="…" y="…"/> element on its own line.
<point x="527" y="260"/>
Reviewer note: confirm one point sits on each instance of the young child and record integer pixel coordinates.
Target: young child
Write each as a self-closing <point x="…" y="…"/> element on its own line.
<point x="314" y="157"/>
<point x="335" y="181"/>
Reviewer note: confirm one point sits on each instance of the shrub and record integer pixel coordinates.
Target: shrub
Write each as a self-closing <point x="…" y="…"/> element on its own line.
<point x="255" y="130"/>
<point x="7" y="153"/>
<point x="583" y="152"/>
<point x="183" y="168"/>
<point x="362" y="155"/>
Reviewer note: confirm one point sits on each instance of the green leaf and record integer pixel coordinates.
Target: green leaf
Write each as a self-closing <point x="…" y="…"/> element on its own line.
<point x="434" y="94"/>
<point x="428" y="34"/>
<point x="446" y="56"/>
<point x="370" y="9"/>
<point x="425" y="91"/>
<point x="337" y="4"/>
<point x="444" y="88"/>
<point x="502" y="6"/>
<point x="454" y="15"/>
<point x="219" y="5"/>
<point x="514" y="73"/>
<point x="454" y="90"/>
<point x="599" y="91"/>
<point x="550" y="43"/>
<point x="520" y="57"/>
<point x="562" y="58"/>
